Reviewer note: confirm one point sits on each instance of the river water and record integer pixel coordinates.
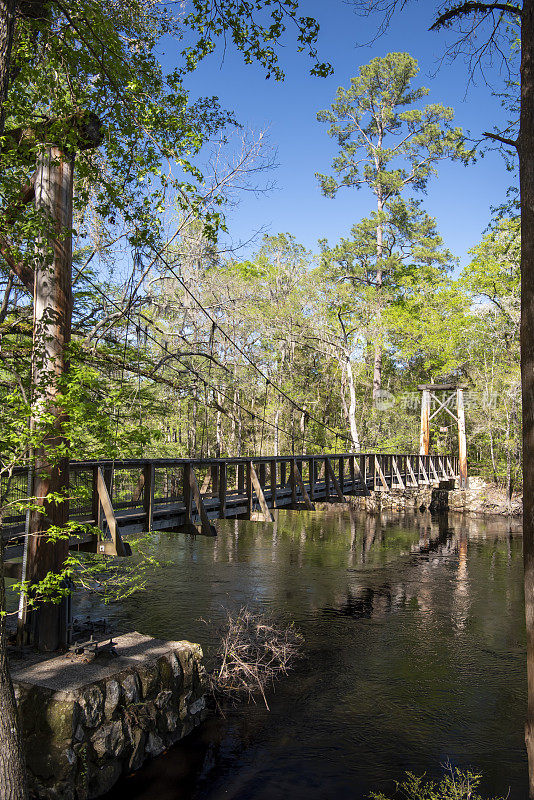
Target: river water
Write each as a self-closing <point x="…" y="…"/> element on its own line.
<point x="414" y="654"/>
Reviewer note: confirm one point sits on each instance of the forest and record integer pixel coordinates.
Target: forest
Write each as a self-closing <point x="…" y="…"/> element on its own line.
<point x="180" y="348"/>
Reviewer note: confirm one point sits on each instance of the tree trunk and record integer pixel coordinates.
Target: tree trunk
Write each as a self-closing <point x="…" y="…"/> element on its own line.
<point x="12" y="766"/>
<point x="13" y="783"/>
<point x="526" y="182"/>
<point x="218" y="427"/>
<point x="7" y="29"/>
<point x="352" y="407"/>
<point x="377" y="367"/>
<point x="52" y="328"/>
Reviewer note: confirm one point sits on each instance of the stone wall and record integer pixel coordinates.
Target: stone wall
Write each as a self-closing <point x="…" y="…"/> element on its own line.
<point x="480" y="498"/>
<point x="86" y="724"/>
<point x="411" y="499"/>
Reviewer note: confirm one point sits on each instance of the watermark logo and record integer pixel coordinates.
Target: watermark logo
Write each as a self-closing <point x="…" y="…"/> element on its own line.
<point x="384" y="400"/>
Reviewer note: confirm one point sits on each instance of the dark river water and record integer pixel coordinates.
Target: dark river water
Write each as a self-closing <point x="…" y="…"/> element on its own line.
<point x="414" y="655"/>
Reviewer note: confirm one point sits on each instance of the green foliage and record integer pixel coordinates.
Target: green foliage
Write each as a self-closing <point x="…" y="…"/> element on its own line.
<point x="456" y="784"/>
<point x="384" y="143"/>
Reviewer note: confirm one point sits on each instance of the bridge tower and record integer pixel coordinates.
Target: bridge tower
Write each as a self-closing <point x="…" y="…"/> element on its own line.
<point x="446" y="397"/>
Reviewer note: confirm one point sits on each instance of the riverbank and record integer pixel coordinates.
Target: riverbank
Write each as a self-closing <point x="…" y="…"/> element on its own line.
<point x="481" y="498"/>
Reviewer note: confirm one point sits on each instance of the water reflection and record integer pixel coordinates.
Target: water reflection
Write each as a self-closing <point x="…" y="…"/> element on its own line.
<point x="414" y="654"/>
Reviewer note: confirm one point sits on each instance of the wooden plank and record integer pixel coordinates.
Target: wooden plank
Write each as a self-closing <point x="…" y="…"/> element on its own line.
<point x="359" y="469"/>
<point x="259" y="493"/>
<point x="334" y="480"/>
<point x="249" y="487"/>
<point x="352" y="473"/>
<point x="223" y="481"/>
<point x="451" y="470"/>
<point x="311" y="469"/>
<point x="188" y="497"/>
<point x="423" y="470"/>
<point x="378" y="469"/>
<point x="118" y="546"/>
<point x="95" y="500"/>
<point x="433" y="468"/>
<point x="395" y="469"/>
<point x="293" y="481"/>
<point x="148" y="497"/>
<point x="326" y="475"/>
<point x="273" y="483"/>
<point x="415" y="482"/>
<point x="206" y="527"/>
<point x="440" y="463"/>
<point x="298" y="480"/>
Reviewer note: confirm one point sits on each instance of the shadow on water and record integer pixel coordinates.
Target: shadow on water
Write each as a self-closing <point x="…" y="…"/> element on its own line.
<point x="414" y="654"/>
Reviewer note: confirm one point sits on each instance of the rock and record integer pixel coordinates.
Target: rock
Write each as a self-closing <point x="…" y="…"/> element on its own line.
<point x="172" y="721"/>
<point x="79" y="734"/>
<point x="149" y="678"/>
<point x="109" y="740"/>
<point x="155" y="745"/>
<point x="163" y="699"/>
<point x="138" y="741"/>
<point x="113" y="696"/>
<point x="170" y="673"/>
<point x="198" y="706"/>
<point x="92" y="705"/>
<point x="101" y="778"/>
<point x="189" y="655"/>
<point x="176" y="667"/>
<point x="130" y="687"/>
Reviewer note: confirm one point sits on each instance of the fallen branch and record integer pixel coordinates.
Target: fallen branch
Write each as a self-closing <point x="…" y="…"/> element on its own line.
<point x="253" y="652"/>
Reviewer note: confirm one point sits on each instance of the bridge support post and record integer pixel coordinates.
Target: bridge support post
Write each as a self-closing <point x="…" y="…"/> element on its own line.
<point x="188" y="496"/>
<point x="293" y="484"/>
<point x="273" y="482"/>
<point x="222" y="490"/>
<point x="148" y="497"/>
<point x="249" y="488"/>
<point x="311" y="469"/>
<point x="424" y="438"/>
<point x="462" y="443"/>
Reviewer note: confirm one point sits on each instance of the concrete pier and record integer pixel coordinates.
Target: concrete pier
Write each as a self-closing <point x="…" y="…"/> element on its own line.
<point x="87" y="721"/>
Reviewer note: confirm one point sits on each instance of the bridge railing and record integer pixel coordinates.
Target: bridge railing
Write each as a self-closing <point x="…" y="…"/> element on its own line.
<point x="148" y="494"/>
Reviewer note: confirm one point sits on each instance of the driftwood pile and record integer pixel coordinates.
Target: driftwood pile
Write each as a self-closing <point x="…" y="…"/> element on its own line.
<point x="253" y="652"/>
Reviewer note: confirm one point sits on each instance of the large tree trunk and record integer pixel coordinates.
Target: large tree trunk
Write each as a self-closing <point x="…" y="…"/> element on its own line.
<point x="352" y="407"/>
<point x="12" y="765"/>
<point x="52" y="327"/>
<point x="12" y="768"/>
<point x="7" y="29"/>
<point x="526" y="180"/>
<point x="377" y="366"/>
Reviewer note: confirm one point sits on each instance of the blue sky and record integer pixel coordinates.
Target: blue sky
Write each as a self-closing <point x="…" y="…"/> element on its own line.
<point x="460" y="197"/>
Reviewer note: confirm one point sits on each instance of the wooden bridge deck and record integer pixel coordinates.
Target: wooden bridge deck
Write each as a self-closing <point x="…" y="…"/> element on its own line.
<point x="128" y="497"/>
